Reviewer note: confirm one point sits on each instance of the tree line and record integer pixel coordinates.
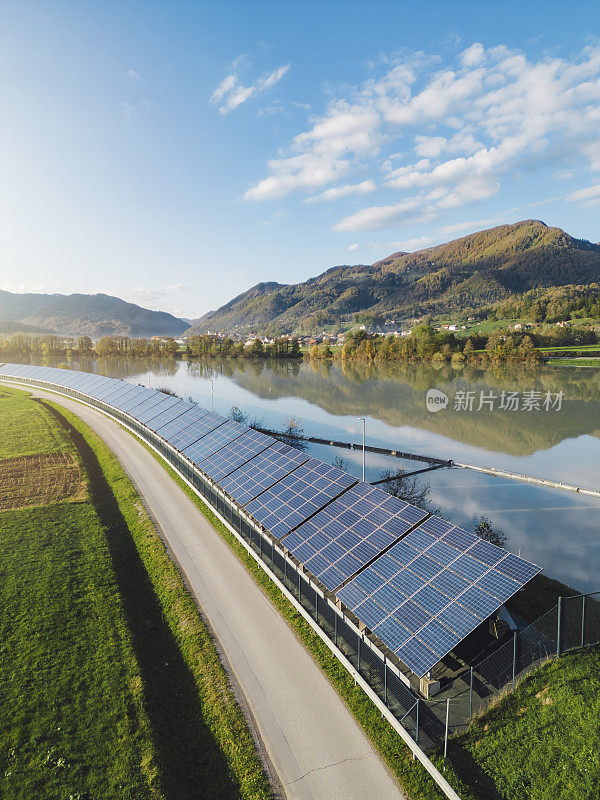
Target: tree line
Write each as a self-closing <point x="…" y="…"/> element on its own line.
<point x="427" y="345"/>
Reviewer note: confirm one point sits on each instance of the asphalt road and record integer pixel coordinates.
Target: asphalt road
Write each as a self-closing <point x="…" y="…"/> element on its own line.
<point x="314" y="744"/>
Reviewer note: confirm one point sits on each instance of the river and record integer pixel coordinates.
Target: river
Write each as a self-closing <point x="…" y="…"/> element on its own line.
<point x="541" y="421"/>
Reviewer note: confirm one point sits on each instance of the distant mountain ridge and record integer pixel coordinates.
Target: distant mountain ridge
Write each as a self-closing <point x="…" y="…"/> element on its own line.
<point x="91" y="315"/>
<point x="467" y="273"/>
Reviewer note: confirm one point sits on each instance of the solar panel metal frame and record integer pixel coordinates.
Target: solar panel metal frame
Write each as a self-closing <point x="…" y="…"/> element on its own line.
<point x="273" y="508"/>
<point x="262" y="472"/>
<point x="233" y="455"/>
<point x="455" y="604"/>
<point x="214" y="440"/>
<point x="197" y="427"/>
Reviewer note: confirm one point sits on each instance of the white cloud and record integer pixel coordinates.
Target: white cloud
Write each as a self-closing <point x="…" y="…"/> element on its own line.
<point x="407" y="212"/>
<point x="488" y="118"/>
<point x="132" y="75"/>
<point x="231" y="93"/>
<point x="364" y="187"/>
<point x="353" y="247"/>
<point x="587" y="198"/>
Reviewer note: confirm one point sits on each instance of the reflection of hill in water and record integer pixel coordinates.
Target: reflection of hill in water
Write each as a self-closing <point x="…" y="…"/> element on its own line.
<point x="396" y="396"/>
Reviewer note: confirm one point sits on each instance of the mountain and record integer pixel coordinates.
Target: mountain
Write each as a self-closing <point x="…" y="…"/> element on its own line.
<point x="92" y="315"/>
<point x="467" y="273"/>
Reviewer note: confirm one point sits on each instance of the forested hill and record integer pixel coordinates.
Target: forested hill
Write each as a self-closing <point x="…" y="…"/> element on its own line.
<point x="468" y="273"/>
<point x="92" y="315"/>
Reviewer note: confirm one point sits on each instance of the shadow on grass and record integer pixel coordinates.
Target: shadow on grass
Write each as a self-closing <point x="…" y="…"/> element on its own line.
<point x="469" y="771"/>
<point x="191" y="762"/>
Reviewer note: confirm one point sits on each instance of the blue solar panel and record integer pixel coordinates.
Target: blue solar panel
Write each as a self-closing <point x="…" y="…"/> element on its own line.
<point x="261" y="472"/>
<point x="350" y="532"/>
<point x="169" y="415"/>
<point x="152" y="408"/>
<point x="297" y="496"/>
<point x="196" y="424"/>
<point x="214" y="441"/>
<point x="233" y="455"/>
<point x="430" y="587"/>
<point x="439" y="582"/>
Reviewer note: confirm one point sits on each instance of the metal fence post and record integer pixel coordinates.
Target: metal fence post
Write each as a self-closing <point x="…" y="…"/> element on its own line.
<point x="285" y="572"/>
<point x="514" y="659"/>
<point x="358" y="654"/>
<point x="385" y="680"/>
<point x="260" y="546"/>
<point x="558" y="628"/>
<point x="583" y="620"/>
<point x="471" y="697"/>
<point x="299" y="592"/>
<point x="316" y="607"/>
<point x="417" y="724"/>
<point x="446" y="734"/>
<point x="335" y="619"/>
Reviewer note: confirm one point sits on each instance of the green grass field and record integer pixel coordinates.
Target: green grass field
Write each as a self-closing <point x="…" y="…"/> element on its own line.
<point x="541" y="742"/>
<point x="111" y="684"/>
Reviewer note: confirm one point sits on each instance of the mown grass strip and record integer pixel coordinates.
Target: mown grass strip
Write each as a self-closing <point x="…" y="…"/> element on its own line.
<point x="206" y="748"/>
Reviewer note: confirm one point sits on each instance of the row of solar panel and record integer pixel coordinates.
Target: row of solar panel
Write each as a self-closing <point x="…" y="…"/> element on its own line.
<point x="418" y="582"/>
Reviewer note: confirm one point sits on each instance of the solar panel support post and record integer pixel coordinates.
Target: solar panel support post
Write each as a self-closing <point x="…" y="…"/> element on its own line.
<point x="316" y="605"/>
<point x="559" y="628"/>
<point x="514" y="659"/>
<point x="471" y="696"/>
<point x="583" y="620"/>
<point x="385" y="680"/>
<point x="417" y="725"/>
<point x="358" y="654"/>
<point x="446" y="733"/>
<point x="335" y="620"/>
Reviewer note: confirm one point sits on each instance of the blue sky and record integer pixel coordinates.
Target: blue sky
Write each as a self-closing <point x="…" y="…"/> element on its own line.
<point x="175" y="154"/>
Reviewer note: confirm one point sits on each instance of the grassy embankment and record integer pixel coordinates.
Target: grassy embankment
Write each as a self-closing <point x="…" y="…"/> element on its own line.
<point x="111" y="684"/>
<point x="479" y="763"/>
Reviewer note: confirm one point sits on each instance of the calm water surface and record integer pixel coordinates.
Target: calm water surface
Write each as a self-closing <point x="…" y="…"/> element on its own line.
<point x="558" y="530"/>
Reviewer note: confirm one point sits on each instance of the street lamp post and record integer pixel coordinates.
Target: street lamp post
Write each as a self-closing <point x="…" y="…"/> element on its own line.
<point x="363" y="458"/>
<point x="212" y="394"/>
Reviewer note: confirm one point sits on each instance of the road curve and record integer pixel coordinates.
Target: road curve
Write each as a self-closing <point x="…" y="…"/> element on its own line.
<point x="315" y="745"/>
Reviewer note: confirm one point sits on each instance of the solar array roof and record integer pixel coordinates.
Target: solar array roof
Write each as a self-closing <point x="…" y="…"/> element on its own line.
<point x="418" y="582"/>
<point x="350" y="532"/>
<point x="229" y="458"/>
<point x="293" y="499"/>
<point x="262" y="472"/>
<point x="431" y="589"/>
<point x="221" y="435"/>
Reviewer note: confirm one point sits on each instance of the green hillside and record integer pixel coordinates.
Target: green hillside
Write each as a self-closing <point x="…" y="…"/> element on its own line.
<point x="83" y="315"/>
<point x="469" y="273"/>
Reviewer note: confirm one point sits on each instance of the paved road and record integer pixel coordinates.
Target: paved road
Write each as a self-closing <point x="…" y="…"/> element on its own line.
<point x="316" y="747"/>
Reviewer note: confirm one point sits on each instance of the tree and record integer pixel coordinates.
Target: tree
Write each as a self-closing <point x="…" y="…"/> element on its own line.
<point x="84" y="344"/>
<point x="293" y="434"/>
<point x="340" y="463"/>
<point x="411" y="490"/>
<point x="486" y="531"/>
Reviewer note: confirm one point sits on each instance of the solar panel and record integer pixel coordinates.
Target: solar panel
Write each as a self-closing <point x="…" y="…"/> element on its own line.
<point x="262" y="472"/>
<point x="112" y="387"/>
<point x="298" y="496"/>
<point x="213" y="441"/>
<point x="351" y="531"/>
<point x="151" y="410"/>
<point x="195" y="427"/>
<point x="439" y="583"/>
<point x="169" y="429"/>
<point x="169" y="415"/>
<point x="121" y="399"/>
<point x="233" y="455"/>
<point x="141" y="396"/>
